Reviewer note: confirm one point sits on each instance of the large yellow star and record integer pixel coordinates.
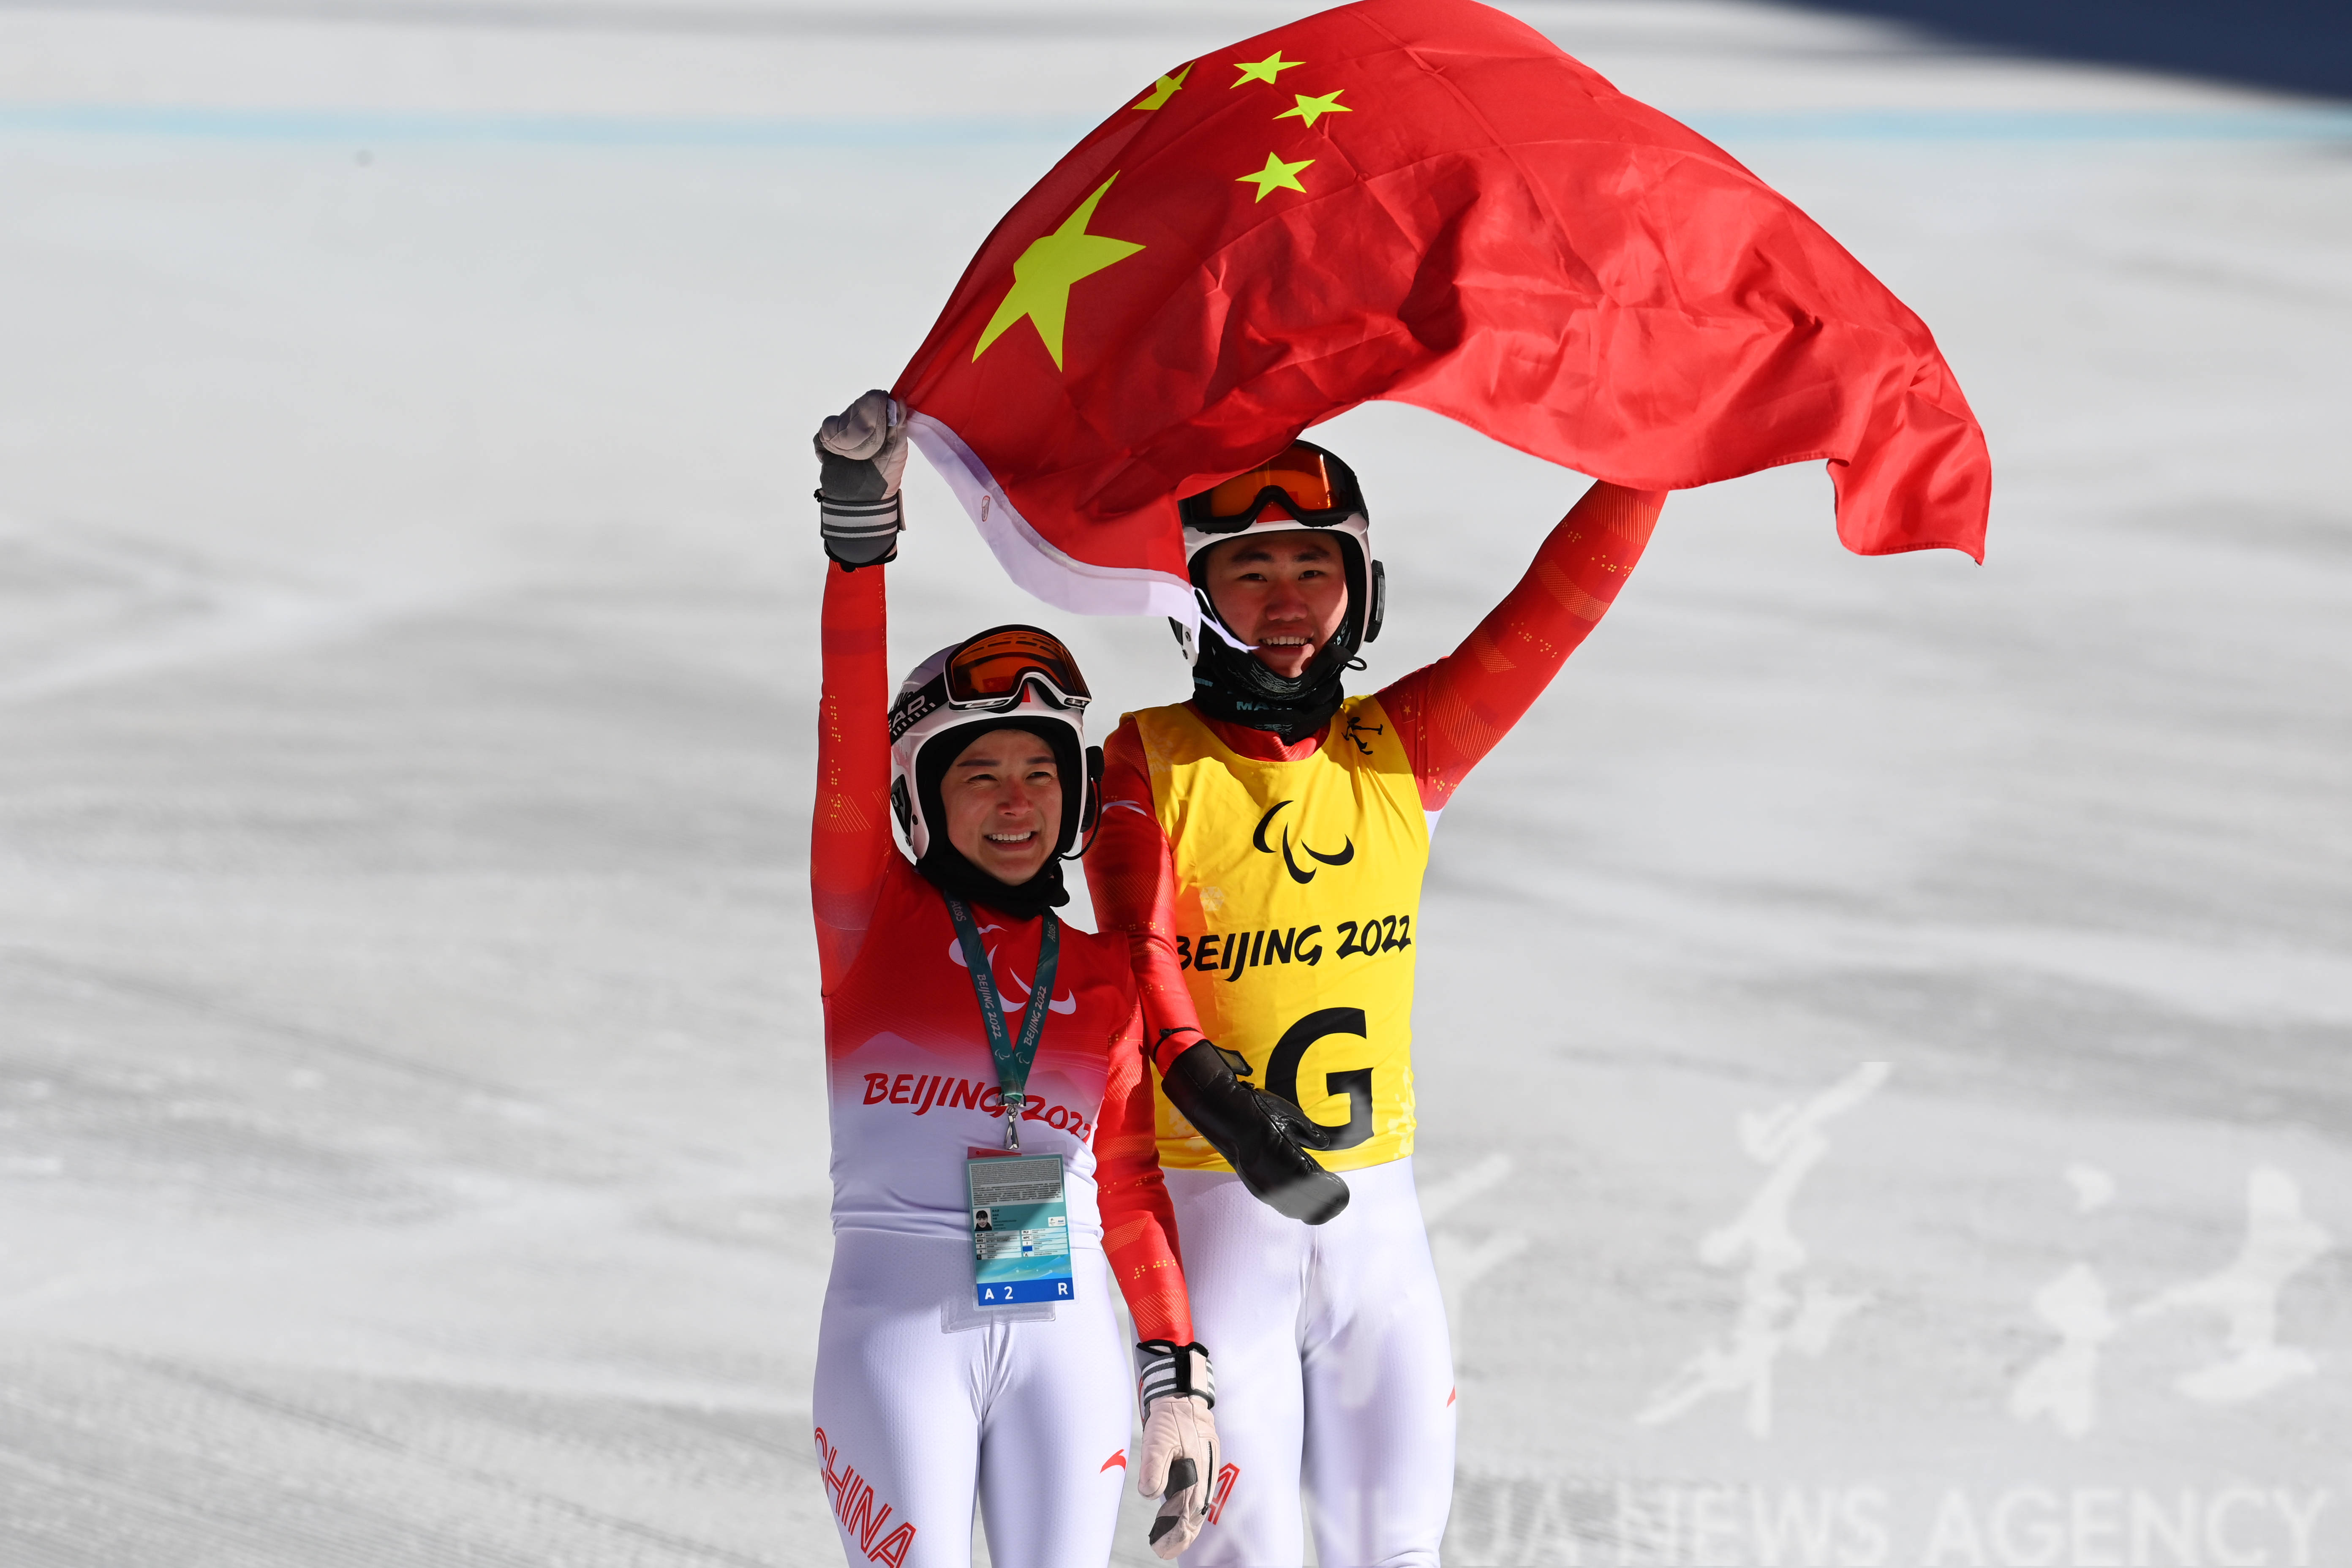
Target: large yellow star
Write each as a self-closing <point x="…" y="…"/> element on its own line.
<point x="1166" y="88"/>
<point x="1267" y="70"/>
<point x="1277" y="175"/>
<point x="1310" y="110"/>
<point x="1042" y="278"/>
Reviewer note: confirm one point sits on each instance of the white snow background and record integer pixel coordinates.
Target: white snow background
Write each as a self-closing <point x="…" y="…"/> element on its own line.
<point x="1885" y="1023"/>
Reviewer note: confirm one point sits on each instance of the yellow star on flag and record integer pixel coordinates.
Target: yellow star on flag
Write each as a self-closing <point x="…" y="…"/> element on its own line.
<point x="1310" y="110"/>
<point x="1166" y="88"/>
<point x="1267" y="70"/>
<point x="1042" y="278"/>
<point x="1277" y="175"/>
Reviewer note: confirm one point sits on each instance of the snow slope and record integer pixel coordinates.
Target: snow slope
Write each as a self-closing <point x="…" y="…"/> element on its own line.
<point x="407" y="1023"/>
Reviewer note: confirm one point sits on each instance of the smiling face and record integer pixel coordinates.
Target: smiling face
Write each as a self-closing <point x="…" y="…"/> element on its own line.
<point x="1286" y="593"/>
<point x="1002" y="800"/>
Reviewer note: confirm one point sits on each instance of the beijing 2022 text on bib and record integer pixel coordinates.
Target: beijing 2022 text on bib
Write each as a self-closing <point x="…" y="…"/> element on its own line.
<point x="1020" y="1227"/>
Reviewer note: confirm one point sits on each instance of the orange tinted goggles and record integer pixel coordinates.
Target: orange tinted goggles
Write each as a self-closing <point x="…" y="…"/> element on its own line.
<point x="990" y="669"/>
<point x="1308" y="483"/>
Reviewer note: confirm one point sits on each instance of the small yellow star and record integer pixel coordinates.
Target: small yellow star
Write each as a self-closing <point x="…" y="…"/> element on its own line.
<point x="1042" y="278"/>
<point x="1267" y="70"/>
<point x="1310" y="110"/>
<point x="1166" y="88"/>
<point x="1277" y="175"/>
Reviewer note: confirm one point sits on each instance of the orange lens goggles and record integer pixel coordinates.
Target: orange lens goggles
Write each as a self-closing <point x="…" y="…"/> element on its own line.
<point x="1308" y="483"/>
<point x="993" y="668"/>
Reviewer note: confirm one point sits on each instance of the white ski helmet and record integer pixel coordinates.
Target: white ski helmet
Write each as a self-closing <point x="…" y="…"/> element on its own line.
<point x="1006" y="678"/>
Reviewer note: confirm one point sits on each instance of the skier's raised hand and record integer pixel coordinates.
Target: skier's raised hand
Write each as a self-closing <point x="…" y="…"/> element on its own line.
<point x="862" y="453"/>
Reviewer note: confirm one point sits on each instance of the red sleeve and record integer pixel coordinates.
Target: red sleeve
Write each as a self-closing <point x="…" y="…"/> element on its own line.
<point x="1450" y="714"/>
<point x="850" y="843"/>
<point x="1138" y="1222"/>
<point x="1133" y="879"/>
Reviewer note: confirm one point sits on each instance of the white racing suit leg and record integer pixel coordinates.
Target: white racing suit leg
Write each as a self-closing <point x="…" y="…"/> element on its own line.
<point x="1333" y="1369"/>
<point x="924" y="1400"/>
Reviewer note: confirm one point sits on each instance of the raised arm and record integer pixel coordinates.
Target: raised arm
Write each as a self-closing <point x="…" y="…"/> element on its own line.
<point x="850" y="843"/>
<point x="861" y="454"/>
<point x="1450" y="714"/>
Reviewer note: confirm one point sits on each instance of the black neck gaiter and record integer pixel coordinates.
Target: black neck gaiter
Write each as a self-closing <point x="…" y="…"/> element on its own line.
<point x="946" y="869"/>
<point x="1230" y="684"/>
<point x="1292" y="719"/>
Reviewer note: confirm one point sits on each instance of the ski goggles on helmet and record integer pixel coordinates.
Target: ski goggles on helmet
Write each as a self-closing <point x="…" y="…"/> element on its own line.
<point x="1311" y="484"/>
<point x="992" y="672"/>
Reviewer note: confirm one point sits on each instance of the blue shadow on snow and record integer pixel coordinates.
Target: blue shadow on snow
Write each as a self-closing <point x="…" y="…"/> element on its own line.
<point x="2301" y="45"/>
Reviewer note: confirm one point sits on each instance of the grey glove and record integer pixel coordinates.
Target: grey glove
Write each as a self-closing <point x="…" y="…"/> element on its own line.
<point x="1179" y="1457"/>
<point x="861" y="452"/>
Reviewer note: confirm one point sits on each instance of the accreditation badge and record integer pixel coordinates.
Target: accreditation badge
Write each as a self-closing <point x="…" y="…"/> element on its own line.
<point x="1020" y="1227"/>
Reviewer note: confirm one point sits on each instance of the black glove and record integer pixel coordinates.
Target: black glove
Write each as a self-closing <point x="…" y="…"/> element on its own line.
<point x="863" y="452"/>
<point x="1263" y="1136"/>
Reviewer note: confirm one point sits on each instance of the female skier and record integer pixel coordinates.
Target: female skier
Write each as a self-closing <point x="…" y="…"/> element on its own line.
<point x="992" y="1114"/>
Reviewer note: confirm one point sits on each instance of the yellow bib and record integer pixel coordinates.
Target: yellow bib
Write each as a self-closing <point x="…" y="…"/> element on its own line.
<point x="1297" y="885"/>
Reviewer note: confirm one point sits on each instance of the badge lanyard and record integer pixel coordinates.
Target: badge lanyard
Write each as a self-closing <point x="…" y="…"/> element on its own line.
<point x="1012" y="1061"/>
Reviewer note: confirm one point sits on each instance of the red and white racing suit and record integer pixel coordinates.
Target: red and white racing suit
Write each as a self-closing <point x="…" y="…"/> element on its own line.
<point x="1333" y="1361"/>
<point x="922" y="1397"/>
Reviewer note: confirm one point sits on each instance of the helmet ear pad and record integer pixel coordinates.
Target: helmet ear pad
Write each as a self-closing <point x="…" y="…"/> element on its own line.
<point x="1071" y="762"/>
<point x="1091" y="817"/>
<point x="902" y="806"/>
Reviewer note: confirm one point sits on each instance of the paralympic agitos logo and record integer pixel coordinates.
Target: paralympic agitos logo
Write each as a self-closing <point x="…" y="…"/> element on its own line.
<point x="1257" y="840"/>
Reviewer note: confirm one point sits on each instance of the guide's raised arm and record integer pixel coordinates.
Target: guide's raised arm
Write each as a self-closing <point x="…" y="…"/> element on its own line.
<point x="1451" y="713"/>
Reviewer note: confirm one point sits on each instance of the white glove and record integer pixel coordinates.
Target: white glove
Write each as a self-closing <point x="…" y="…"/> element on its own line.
<point x="871" y="430"/>
<point x="1180" y="1439"/>
<point x="863" y="453"/>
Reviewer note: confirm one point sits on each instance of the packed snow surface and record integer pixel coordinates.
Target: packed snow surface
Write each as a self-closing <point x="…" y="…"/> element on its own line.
<point x="1885" y="1023"/>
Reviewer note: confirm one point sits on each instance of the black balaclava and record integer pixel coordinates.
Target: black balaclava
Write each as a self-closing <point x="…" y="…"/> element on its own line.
<point x="945" y="866"/>
<point x="946" y="869"/>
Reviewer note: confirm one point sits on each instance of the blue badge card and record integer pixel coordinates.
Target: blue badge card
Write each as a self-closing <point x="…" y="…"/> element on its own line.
<point x="1020" y="1227"/>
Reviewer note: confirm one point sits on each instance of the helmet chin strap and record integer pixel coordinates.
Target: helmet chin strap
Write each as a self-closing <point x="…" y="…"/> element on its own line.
<point x="1235" y="643"/>
<point x="1210" y="619"/>
<point x="1234" y="662"/>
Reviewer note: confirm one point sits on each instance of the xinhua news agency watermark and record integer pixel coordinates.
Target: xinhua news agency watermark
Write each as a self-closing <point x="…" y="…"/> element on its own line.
<point x="1791" y="1301"/>
<point x="1515" y="1522"/>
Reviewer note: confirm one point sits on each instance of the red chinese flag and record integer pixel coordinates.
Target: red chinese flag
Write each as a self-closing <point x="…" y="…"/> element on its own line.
<point x="1423" y="200"/>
